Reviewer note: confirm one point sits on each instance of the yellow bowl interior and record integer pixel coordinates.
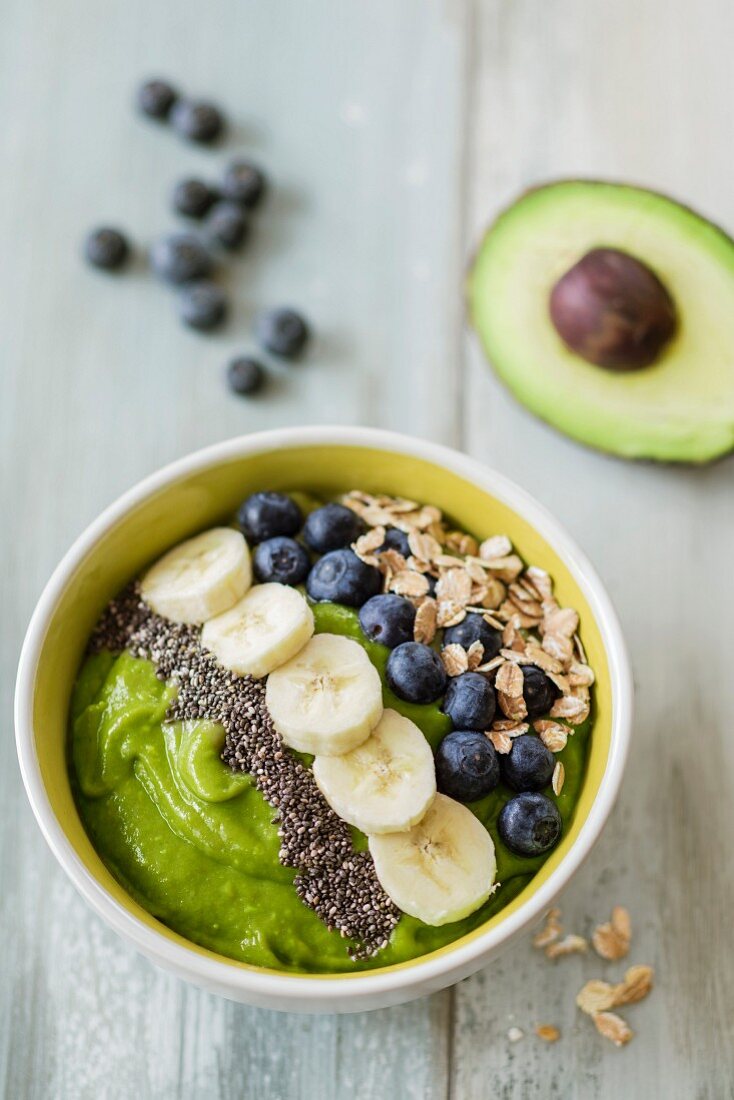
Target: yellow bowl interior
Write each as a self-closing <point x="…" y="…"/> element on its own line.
<point x="199" y="500"/>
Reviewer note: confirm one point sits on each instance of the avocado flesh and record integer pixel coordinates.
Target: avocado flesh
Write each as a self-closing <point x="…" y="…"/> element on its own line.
<point x="680" y="409"/>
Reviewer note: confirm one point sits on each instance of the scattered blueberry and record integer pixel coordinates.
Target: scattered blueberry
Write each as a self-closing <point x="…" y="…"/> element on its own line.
<point x="282" y="332"/>
<point x="341" y="577"/>
<point x="196" y="120"/>
<point x="538" y="691"/>
<point x="530" y="824"/>
<point x="180" y="257"/>
<point x="155" y="98"/>
<point x="331" y="527"/>
<point x="243" y="183"/>
<point x="470" y="702"/>
<point x="282" y="560"/>
<point x="395" y="539"/>
<point x="228" y="224"/>
<point x="192" y="198"/>
<point x="466" y="766"/>
<point x="202" y="305"/>
<point x="528" y="766"/>
<point x="106" y="248"/>
<point x="265" y="515"/>
<point x="474" y="628"/>
<point x="245" y="375"/>
<point x="415" y="673"/>
<point x="388" y="619"/>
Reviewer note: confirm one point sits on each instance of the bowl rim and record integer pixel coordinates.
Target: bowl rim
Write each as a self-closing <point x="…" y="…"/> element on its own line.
<point x="304" y="989"/>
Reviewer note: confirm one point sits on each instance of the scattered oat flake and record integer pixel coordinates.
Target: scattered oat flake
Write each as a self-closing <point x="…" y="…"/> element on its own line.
<point x="515" y="655"/>
<point x="510" y="680"/>
<point x="541" y="580"/>
<point x="559" y="778"/>
<point x="512" y="706"/>
<point x="407" y="583"/>
<point x="550" y="931"/>
<point x="637" y="984"/>
<point x="596" y="996"/>
<point x="548" y="1033"/>
<point x="559" y="647"/>
<point x="613" y="1027"/>
<point x="612" y="939"/>
<point x="450" y="613"/>
<point x="490" y="666"/>
<point x="513" y="729"/>
<point x="373" y="540"/>
<point x="454" y="585"/>
<point x="424" y="547"/>
<point x="474" y="654"/>
<point x="563" y="621"/>
<point x="515" y="1034"/>
<point x="552" y="734"/>
<point x="502" y="741"/>
<point x="455" y="659"/>
<point x="569" y="945"/>
<point x="499" y="546"/>
<point x="568" y="707"/>
<point x="580" y="675"/>
<point x="424" y="628"/>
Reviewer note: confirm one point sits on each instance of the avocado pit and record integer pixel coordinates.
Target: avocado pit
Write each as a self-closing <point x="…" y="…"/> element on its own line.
<point x="613" y="311"/>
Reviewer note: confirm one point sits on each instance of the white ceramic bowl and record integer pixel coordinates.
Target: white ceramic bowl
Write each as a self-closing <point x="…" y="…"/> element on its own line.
<point x="202" y="488"/>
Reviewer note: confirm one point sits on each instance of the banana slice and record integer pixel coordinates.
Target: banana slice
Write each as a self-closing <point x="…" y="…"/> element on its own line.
<point x="264" y="630"/>
<point x="384" y="785"/>
<point x="327" y="699"/>
<point x="199" y="578"/>
<point x="440" y="871"/>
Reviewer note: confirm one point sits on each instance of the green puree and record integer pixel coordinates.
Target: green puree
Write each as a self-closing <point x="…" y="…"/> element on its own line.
<point x="194" y="843"/>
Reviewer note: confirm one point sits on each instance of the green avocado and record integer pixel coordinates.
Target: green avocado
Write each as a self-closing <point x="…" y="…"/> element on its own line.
<point x="675" y="405"/>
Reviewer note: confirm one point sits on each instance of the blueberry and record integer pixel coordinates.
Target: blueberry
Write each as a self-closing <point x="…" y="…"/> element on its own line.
<point x="538" y="691"/>
<point x="282" y="560"/>
<point x="228" y="224"/>
<point x="202" y="304"/>
<point x="341" y="577"/>
<point x="106" y="248"/>
<point x="282" y="332"/>
<point x="180" y="257"/>
<point x="528" y="766"/>
<point x="415" y="673"/>
<point x="466" y="766"/>
<point x="265" y="515"/>
<point x="244" y="183"/>
<point x="331" y="527"/>
<point x="155" y="98"/>
<point x="395" y="539"/>
<point x="388" y="619"/>
<point x="470" y="702"/>
<point x="192" y="198"/>
<point x="196" y="120"/>
<point x="474" y="628"/>
<point x="245" y="375"/>
<point x="530" y="824"/>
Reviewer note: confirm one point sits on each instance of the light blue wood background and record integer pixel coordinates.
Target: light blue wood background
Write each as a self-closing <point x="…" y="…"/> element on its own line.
<point x="394" y="130"/>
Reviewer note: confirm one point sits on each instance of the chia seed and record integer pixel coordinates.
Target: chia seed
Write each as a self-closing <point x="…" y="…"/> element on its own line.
<point x="338" y="883"/>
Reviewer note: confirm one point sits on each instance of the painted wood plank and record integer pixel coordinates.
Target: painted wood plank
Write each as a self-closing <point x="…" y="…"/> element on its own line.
<point x="640" y="93"/>
<point x="356" y="112"/>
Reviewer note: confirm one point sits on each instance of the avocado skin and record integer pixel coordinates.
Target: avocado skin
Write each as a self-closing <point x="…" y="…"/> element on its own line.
<point x="682" y="440"/>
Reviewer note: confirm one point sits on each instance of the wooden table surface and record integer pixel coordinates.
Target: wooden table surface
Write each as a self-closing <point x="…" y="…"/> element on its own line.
<point x="393" y="131"/>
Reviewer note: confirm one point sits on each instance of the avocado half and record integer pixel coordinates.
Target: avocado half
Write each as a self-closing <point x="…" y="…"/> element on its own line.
<point x="680" y="408"/>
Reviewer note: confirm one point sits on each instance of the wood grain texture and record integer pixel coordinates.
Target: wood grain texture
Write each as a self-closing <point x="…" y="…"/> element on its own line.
<point x="394" y="131"/>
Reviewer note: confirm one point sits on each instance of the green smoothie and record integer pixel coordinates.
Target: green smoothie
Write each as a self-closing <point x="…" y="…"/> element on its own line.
<point x="194" y="842"/>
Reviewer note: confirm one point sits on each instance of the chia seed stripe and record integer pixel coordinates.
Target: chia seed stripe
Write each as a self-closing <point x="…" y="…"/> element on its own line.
<point x="337" y="882"/>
